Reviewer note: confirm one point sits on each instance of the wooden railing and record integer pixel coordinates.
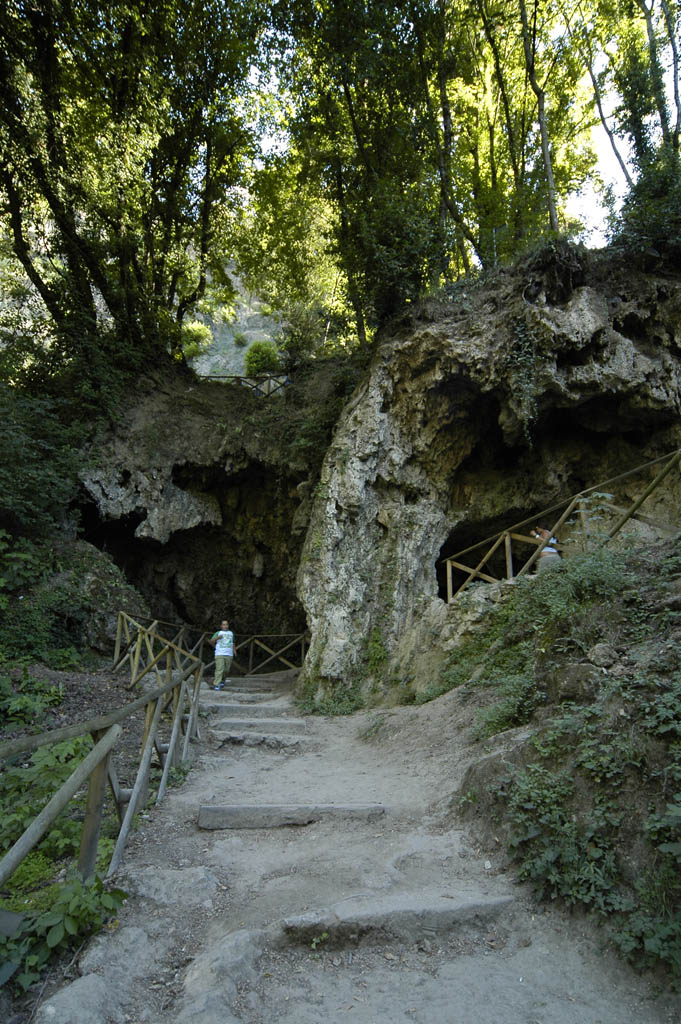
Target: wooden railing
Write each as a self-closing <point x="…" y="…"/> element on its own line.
<point x="578" y="505"/>
<point x="178" y="694"/>
<point x="138" y="646"/>
<point x="264" y="384"/>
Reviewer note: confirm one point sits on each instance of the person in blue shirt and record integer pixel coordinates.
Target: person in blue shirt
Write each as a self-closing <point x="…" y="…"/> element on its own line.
<point x="223" y="642"/>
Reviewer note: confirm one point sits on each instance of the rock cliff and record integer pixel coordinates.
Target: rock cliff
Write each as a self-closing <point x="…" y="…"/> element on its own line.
<point x="201" y="492"/>
<point x="478" y="410"/>
<point x="478" y="413"/>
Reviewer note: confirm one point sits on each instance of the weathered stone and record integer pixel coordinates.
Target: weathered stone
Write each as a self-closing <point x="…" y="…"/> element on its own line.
<point x="196" y="884"/>
<point x="87" y="999"/>
<point x="576" y="682"/>
<point x="453" y="434"/>
<point x="602" y="655"/>
<point x="279" y="815"/>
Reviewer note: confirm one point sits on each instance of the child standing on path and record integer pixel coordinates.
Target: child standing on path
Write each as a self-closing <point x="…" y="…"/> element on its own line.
<point x="223" y="642"/>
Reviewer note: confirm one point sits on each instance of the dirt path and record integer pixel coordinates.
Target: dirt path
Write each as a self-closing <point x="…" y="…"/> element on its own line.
<point x="375" y="911"/>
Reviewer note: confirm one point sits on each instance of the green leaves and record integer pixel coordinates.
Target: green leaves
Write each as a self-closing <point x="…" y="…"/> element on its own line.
<point x="76" y="911"/>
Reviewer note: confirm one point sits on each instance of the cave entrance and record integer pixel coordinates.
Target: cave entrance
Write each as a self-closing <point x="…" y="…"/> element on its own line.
<point x="508" y="539"/>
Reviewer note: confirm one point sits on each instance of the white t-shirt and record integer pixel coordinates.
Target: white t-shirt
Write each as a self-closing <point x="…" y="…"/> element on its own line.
<point x="225" y="643"/>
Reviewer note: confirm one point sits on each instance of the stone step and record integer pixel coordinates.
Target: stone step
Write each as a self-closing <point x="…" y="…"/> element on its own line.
<point x="250" y="698"/>
<point x="265" y="709"/>
<point x="405" y="916"/>
<point x="279" y="815"/>
<point x="265" y="725"/>
<point x="247" y="691"/>
<point x="288" y="744"/>
<point x="251" y="685"/>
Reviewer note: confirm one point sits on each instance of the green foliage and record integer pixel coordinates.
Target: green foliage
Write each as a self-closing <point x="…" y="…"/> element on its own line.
<point x="522" y="362"/>
<point x="648" y="228"/>
<point x="318" y="940"/>
<point x="334" y="700"/>
<point x="51" y="596"/>
<point x="520" y="696"/>
<point x="564" y="856"/>
<point x="197" y="338"/>
<point x="588" y="814"/>
<point x="124" y="161"/>
<point x="75" y="911"/>
<point x="24" y="790"/>
<point x="376" y="652"/>
<point x="261" y="357"/>
<point x="240" y="339"/>
<point x="24" y="702"/>
<point x="535" y="616"/>
<point x="38" y="464"/>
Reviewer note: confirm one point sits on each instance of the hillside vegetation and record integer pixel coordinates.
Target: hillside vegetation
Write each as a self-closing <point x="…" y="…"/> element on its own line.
<point x="580" y="701"/>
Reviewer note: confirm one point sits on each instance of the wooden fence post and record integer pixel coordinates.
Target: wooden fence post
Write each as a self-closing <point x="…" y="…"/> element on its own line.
<point x="674" y="461"/>
<point x="138" y="789"/>
<point x="89" y="840"/>
<point x="509" y="556"/>
<point x="39" y="826"/>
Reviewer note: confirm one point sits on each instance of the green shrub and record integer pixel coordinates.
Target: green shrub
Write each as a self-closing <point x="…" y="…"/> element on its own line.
<point x="261" y="357"/>
<point x="197" y="338"/>
<point x="75" y="911"/>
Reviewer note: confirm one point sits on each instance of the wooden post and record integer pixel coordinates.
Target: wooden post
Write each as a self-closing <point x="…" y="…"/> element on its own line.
<point x="540" y="547"/>
<point x="171" y="758"/>
<point x="584" y="521"/>
<point x="136" y="659"/>
<point x="138" y="789"/>
<point x="39" y="826"/>
<point x="119" y="633"/>
<point x="250" y="656"/>
<point x="87" y="857"/>
<point x="193" y="712"/>
<point x="450" y="582"/>
<point x="475" y="572"/>
<point x="674" y="461"/>
<point x="509" y="556"/>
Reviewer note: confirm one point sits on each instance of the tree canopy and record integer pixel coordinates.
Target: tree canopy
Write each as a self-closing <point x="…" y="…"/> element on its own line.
<point x="347" y="157"/>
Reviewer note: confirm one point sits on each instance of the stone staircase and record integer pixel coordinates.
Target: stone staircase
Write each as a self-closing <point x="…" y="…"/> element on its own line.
<point x="360" y="902"/>
<point x="259" y="711"/>
<point x="254" y="711"/>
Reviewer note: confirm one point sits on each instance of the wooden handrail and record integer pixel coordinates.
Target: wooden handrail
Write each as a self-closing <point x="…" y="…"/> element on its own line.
<point x="40" y="824"/>
<point x="561" y="504"/>
<point x="575" y="501"/>
<point x="106" y="730"/>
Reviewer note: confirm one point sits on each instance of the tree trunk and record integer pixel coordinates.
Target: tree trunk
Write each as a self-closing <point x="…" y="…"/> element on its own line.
<point x="528" y="43"/>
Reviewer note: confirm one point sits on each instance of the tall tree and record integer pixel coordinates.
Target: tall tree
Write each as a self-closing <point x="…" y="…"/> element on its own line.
<point x="122" y="131"/>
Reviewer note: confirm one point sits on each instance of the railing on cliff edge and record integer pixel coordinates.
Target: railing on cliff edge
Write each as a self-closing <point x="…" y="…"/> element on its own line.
<point x="577" y="504"/>
<point x="252" y="652"/>
<point x="265" y="384"/>
<point x="178" y="693"/>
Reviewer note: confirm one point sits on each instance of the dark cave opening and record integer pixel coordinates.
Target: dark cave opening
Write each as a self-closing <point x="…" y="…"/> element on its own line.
<point x="470" y="542"/>
<point x="582" y="447"/>
<point x="243" y="569"/>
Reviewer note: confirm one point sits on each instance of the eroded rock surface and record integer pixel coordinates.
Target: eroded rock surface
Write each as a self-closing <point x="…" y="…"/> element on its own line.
<point x="475" y="416"/>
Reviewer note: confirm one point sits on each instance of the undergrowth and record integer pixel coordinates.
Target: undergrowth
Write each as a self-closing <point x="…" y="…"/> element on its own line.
<point x="55" y="910"/>
<point x="339" y="700"/>
<point x="593" y="810"/>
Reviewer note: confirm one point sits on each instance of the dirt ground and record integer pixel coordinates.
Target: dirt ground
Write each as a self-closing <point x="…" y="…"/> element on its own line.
<point x="396" y="916"/>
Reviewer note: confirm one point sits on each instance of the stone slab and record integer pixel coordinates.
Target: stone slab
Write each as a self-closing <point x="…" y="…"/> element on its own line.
<point x="405" y="916"/>
<point x="278" y="815"/>
<point x="262" y="710"/>
<point x="277" y="726"/>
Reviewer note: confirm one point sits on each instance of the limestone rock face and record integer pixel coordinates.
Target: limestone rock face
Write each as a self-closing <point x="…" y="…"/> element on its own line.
<point x="202" y="494"/>
<point x="475" y="416"/>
